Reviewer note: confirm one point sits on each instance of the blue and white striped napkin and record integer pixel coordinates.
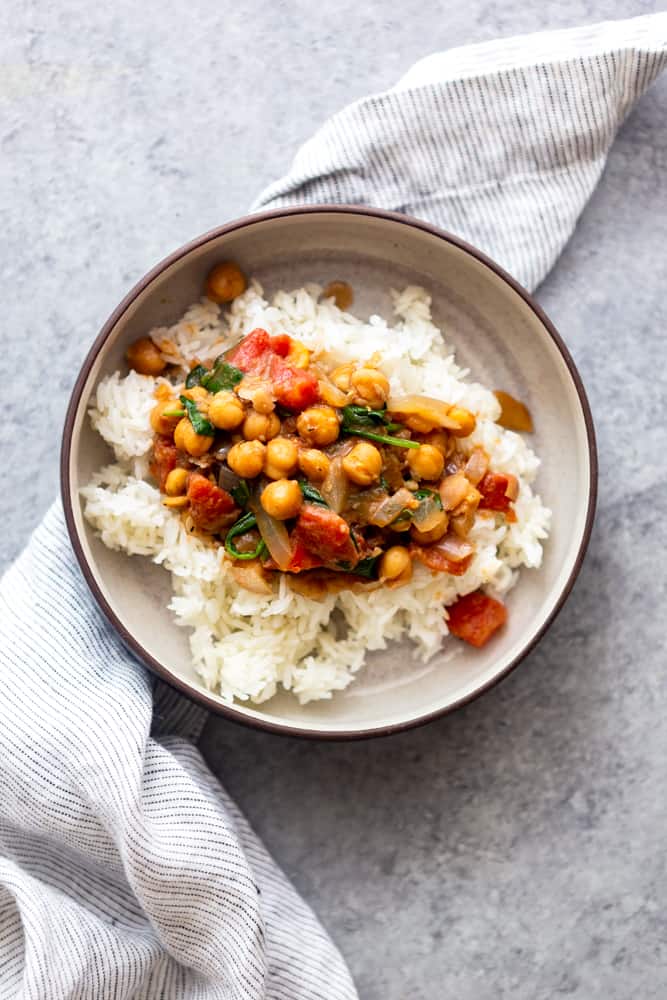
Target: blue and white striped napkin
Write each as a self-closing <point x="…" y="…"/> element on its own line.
<point x="125" y="870"/>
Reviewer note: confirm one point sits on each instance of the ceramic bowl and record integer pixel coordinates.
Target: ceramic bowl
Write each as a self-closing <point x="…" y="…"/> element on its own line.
<point x="499" y="332"/>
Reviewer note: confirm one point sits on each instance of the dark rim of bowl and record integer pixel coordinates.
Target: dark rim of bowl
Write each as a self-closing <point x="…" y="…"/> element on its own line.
<point x="200" y="696"/>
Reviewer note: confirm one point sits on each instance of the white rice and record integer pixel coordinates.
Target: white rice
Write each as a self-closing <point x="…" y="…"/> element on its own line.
<point x="245" y="645"/>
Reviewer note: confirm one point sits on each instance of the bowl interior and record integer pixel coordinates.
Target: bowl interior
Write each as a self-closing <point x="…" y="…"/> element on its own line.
<point x="495" y="332"/>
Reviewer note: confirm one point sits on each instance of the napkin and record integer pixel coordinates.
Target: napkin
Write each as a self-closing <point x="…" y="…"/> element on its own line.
<point x="125" y="869"/>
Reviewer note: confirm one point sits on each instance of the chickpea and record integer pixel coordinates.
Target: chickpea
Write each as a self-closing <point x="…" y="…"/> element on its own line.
<point x="263" y="401"/>
<point x="464" y="418"/>
<point x="370" y="387"/>
<point x="434" y="534"/>
<point x="363" y="464"/>
<point x="441" y="441"/>
<point x="426" y="462"/>
<point x="225" y="282"/>
<point x="197" y="393"/>
<point x="260" y="426"/>
<point x="314" y="464"/>
<point x="144" y="357"/>
<point x="187" y="439"/>
<point x="281" y="458"/>
<point x="226" y="411"/>
<point x="394" y="562"/>
<point x="176" y="482"/>
<point x="176" y="503"/>
<point x="318" y="425"/>
<point x="282" y="499"/>
<point x="246" y="458"/>
<point x="160" y="423"/>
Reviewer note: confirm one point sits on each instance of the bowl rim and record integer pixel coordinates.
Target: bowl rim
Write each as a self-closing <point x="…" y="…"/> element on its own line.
<point x="200" y="696"/>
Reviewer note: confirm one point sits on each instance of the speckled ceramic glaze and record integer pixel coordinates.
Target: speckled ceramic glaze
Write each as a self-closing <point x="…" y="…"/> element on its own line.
<point x="498" y="332"/>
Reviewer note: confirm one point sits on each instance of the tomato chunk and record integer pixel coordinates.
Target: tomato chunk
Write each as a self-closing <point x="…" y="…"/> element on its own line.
<point x="259" y="354"/>
<point x="252" y="354"/>
<point x="437" y="560"/>
<point x="494" y="487"/>
<point x="294" y="388"/>
<point x="303" y="559"/>
<point x="165" y="458"/>
<point x="325" y="535"/>
<point x="210" y="506"/>
<point x="475" y="617"/>
<point x="280" y="344"/>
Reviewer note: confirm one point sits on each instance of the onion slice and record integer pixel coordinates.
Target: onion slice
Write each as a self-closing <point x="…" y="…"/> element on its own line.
<point x="388" y="510"/>
<point x="453" y="490"/>
<point x="275" y="535"/>
<point x="432" y="411"/>
<point x="335" y="487"/>
<point x="455" y="548"/>
<point x="428" y="515"/>
<point x="476" y="466"/>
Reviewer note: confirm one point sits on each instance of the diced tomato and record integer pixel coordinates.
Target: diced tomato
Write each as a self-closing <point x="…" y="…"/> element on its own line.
<point x="252" y="354"/>
<point x="294" y="388"/>
<point x="259" y="354"/>
<point x="438" y="561"/>
<point x="280" y="344"/>
<point x="493" y="487"/>
<point x="475" y="617"/>
<point x="165" y="458"/>
<point x="303" y="559"/>
<point x="210" y="506"/>
<point x="325" y="534"/>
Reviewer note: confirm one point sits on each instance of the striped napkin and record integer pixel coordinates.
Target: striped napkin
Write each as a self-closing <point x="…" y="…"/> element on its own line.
<point x="125" y="870"/>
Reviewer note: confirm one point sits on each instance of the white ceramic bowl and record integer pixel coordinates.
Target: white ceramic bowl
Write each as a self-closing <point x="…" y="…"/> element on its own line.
<point x="498" y="331"/>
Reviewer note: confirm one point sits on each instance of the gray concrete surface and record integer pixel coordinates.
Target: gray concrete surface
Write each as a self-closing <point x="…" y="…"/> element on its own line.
<point x="516" y="849"/>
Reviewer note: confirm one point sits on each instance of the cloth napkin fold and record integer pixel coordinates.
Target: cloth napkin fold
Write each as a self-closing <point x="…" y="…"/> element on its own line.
<point x="125" y="870"/>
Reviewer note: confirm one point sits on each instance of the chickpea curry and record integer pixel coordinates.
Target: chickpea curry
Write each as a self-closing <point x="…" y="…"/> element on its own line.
<point x="321" y="473"/>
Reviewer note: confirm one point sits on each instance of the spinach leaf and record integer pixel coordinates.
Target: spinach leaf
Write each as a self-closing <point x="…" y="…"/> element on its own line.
<point x="244" y="524"/>
<point x="365" y="567"/>
<point x="241" y="493"/>
<point x="362" y="422"/>
<point x="362" y="415"/>
<point x="195" y="376"/>
<point x="311" y="494"/>
<point x="200" y="423"/>
<point x="222" y="376"/>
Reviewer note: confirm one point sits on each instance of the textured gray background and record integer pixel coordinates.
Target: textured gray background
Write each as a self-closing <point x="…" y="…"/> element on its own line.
<point x="516" y="849"/>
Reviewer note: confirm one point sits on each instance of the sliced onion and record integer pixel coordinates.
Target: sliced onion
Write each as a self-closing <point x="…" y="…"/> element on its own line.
<point x="274" y="534"/>
<point x="251" y="577"/>
<point x="227" y="480"/>
<point x="391" y="470"/>
<point x="428" y="515"/>
<point x="331" y="394"/>
<point x="462" y="523"/>
<point x="433" y="412"/>
<point x="363" y="504"/>
<point x="453" y="490"/>
<point x="476" y="465"/>
<point x="455" y="548"/>
<point x="335" y="487"/>
<point x="387" y="511"/>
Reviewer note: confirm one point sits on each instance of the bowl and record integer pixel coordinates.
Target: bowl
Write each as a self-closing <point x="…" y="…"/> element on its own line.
<point x="499" y="332"/>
